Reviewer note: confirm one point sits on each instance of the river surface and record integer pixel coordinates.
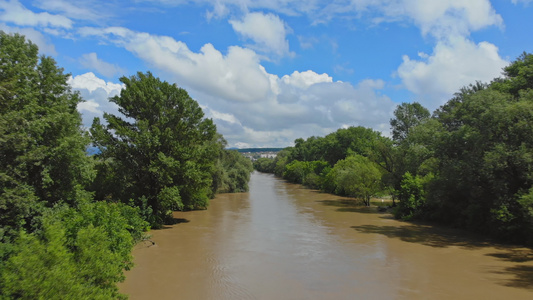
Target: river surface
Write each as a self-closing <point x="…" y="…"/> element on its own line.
<point x="282" y="241"/>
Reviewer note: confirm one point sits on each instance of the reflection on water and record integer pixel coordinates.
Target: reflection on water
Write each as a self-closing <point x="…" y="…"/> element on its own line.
<point x="281" y="241"/>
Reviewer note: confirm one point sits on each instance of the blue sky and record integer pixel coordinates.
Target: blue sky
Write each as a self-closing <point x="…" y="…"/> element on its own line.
<point x="270" y="71"/>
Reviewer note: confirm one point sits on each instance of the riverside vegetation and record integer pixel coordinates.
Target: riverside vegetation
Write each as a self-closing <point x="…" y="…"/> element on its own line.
<point x="68" y="221"/>
<point x="467" y="165"/>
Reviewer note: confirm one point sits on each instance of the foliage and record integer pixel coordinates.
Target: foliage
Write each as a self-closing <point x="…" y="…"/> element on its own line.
<point x="233" y="172"/>
<point x="486" y="161"/>
<point x="478" y="146"/>
<point x="164" y="149"/>
<point x="296" y="171"/>
<point x="77" y="253"/>
<point x="42" y="149"/>
<point x="265" y="165"/>
<point x="518" y="76"/>
<point x="335" y="146"/>
<point x="407" y="116"/>
<point x="412" y="196"/>
<point x="355" y="176"/>
<point x="310" y="173"/>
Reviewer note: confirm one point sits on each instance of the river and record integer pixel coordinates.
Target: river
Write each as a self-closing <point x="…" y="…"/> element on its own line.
<point x="282" y="241"/>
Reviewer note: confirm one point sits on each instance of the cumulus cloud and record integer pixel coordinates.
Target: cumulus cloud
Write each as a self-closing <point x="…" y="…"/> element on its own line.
<point x="452" y="65"/>
<point x="250" y="105"/>
<point x="91" y="61"/>
<point x="440" y="18"/>
<point x="267" y="31"/>
<point x="237" y="75"/>
<point x="299" y="108"/>
<point x="305" y="79"/>
<point x="13" y="11"/>
<point x="96" y="93"/>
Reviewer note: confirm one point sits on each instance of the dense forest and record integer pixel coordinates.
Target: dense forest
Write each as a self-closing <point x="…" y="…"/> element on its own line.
<point x="69" y="220"/>
<point x="467" y="165"/>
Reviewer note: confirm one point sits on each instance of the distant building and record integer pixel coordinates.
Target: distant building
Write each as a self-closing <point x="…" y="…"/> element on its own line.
<point x="268" y="155"/>
<point x="256" y="155"/>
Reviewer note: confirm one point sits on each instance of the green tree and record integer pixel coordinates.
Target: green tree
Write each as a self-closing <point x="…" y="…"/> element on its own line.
<point x="296" y="171"/>
<point x="265" y="165"/>
<point x="163" y="151"/>
<point x="518" y="76"/>
<point x="356" y="176"/>
<point x="42" y="148"/>
<point x="413" y="195"/>
<point x="78" y="253"/>
<point x="407" y="116"/>
<point x="233" y="172"/>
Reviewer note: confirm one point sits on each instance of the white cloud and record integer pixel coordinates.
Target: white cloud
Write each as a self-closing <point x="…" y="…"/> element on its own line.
<point x="13" y="11"/>
<point x="295" y="112"/>
<point x="305" y="79"/>
<point x="452" y="65"/>
<point x="236" y="76"/>
<point x="80" y="10"/>
<point x="307" y="42"/>
<point x="267" y="31"/>
<point x="92" y="61"/>
<point x="250" y="105"/>
<point x="525" y="2"/>
<point x="438" y="18"/>
<point x="446" y="17"/>
<point x="91" y="82"/>
<point x="219" y="10"/>
<point x="34" y="36"/>
<point x="96" y="93"/>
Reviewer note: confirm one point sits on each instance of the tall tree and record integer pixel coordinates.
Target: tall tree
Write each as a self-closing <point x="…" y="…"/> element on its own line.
<point x="163" y="150"/>
<point x="42" y="148"/>
<point x="406" y="117"/>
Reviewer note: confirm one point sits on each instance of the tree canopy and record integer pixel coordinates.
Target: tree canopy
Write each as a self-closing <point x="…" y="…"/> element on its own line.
<point x="55" y="241"/>
<point x="161" y="146"/>
<point x="42" y="148"/>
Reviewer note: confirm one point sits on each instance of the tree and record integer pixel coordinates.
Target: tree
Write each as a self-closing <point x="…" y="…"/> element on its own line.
<point x="518" y="76"/>
<point x="407" y="116"/>
<point x="42" y="148"/>
<point x="54" y="241"/>
<point x="412" y="195"/>
<point x="356" y="176"/>
<point x="78" y="253"/>
<point x="163" y="151"/>
<point x="232" y="172"/>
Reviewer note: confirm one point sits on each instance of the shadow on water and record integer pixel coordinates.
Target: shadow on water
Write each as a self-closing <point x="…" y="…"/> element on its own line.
<point x="353" y="205"/>
<point x="514" y="255"/>
<point x="520" y="275"/>
<point x="427" y="235"/>
<point x="174" y="221"/>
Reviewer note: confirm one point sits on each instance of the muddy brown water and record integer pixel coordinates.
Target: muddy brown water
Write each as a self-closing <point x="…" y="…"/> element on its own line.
<point x="282" y="241"/>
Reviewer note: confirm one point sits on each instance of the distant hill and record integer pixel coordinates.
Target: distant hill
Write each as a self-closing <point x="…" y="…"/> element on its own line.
<point x="254" y="150"/>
